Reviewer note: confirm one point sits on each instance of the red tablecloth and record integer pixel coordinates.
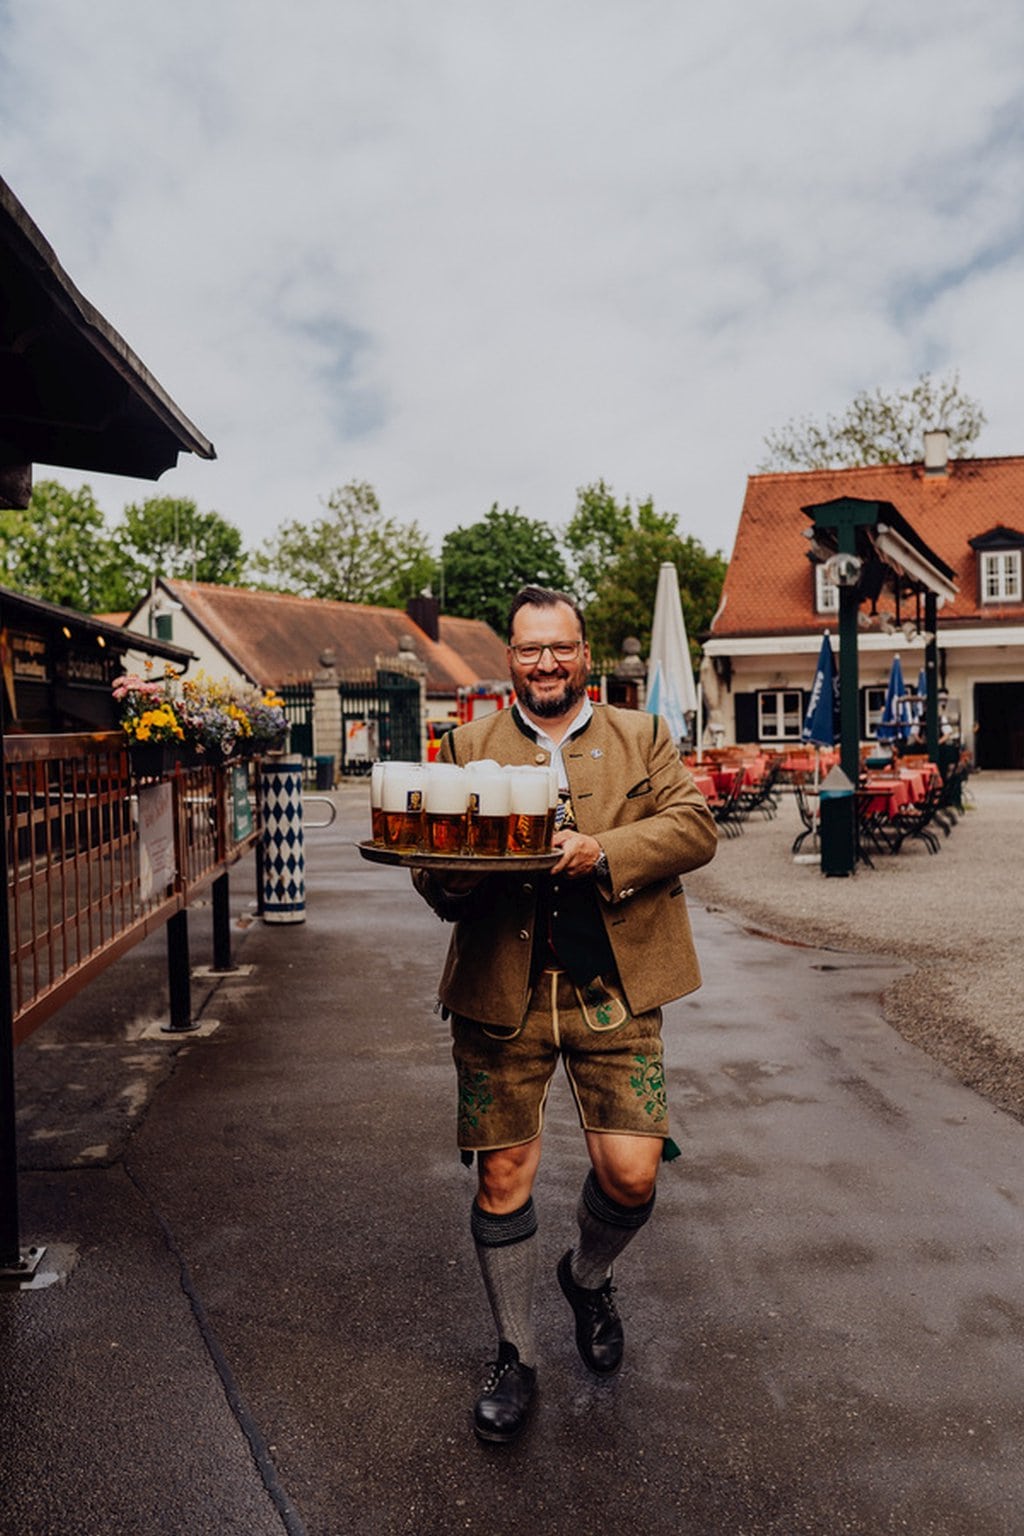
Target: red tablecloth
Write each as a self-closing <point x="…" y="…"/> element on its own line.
<point x="705" y="782"/>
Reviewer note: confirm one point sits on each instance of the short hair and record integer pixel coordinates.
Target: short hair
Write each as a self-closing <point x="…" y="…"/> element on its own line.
<point x="542" y="597"/>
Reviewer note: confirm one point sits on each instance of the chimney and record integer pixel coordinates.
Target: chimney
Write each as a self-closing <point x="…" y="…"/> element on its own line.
<point x="936" y="452"/>
<point x="425" y="611"/>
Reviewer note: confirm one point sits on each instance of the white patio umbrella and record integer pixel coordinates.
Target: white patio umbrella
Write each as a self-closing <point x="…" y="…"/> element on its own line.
<point x="671" y="691"/>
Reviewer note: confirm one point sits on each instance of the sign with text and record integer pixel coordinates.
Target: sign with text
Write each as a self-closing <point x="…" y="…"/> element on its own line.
<point x="156" y="840"/>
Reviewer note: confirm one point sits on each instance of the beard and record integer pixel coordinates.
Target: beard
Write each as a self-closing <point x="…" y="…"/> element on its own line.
<point x="550" y="706"/>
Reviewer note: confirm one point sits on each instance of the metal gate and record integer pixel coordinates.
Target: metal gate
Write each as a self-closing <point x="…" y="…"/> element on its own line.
<point x="298" y="707"/>
<point x="380" y="718"/>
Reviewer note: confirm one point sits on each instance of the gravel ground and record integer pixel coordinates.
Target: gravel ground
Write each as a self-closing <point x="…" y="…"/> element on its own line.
<point x="955" y="916"/>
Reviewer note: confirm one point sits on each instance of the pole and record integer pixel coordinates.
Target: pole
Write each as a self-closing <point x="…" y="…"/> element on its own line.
<point x="15" y="1265"/>
<point x="222" y="960"/>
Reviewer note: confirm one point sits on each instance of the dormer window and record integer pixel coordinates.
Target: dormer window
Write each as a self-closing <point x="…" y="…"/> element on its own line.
<point x="999" y="555"/>
<point x="1000" y="576"/>
<point x="826" y="593"/>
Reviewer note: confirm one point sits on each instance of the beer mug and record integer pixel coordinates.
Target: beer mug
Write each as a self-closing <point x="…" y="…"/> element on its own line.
<point x="401" y="799"/>
<point x="445" y="801"/>
<point x="529" y="810"/>
<point x="376" y="808"/>
<point x="488" y="809"/>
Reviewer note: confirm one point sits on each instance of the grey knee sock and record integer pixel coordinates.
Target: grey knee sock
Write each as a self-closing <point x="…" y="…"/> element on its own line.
<point x="506" y="1247"/>
<point x="605" y="1229"/>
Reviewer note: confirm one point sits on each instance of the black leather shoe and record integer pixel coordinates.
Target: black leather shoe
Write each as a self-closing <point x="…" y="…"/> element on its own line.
<point x="599" y="1336"/>
<point x="504" y="1404"/>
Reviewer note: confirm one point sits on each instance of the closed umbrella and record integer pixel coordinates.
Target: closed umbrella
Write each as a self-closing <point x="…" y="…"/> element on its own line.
<point x="822" y="718"/>
<point x="671" y="691"/>
<point x="895" y="716"/>
<point x="822" y="715"/>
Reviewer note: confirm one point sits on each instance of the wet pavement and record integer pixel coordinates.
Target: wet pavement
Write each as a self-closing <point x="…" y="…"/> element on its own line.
<point x="260" y="1310"/>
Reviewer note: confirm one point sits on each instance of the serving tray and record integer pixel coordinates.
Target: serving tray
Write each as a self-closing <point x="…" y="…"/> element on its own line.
<point x="462" y="863"/>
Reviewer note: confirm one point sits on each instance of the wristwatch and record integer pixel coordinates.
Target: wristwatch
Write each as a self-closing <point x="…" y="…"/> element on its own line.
<point x="600" y="870"/>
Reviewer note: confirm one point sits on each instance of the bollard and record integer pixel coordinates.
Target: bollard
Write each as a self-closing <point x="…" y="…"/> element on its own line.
<point x="838" y="824"/>
<point x="283" y="863"/>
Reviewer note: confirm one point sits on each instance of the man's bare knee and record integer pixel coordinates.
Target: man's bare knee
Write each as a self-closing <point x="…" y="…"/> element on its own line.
<point x="505" y="1177"/>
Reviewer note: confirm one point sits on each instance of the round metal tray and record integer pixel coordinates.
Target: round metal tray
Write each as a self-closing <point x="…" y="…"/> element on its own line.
<point x="463" y="864"/>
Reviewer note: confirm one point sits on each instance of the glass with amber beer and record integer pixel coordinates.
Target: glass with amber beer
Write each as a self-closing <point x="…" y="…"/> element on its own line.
<point x="402" y="806"/>
<point x="445" y="802"/>
<point x="376" y="809"/>
<point x="488" y="809"/>
<point x="529" y="810"/>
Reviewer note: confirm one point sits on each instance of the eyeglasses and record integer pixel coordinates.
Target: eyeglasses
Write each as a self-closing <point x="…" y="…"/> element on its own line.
<point x="561" y="650"/>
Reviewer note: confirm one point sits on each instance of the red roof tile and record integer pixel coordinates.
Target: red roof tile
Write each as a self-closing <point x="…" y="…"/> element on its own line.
<point x="769" y="586"/>
<point x="277" y="638"/>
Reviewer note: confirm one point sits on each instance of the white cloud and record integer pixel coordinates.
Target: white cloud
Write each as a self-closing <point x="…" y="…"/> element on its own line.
<point x="478" y="253"/>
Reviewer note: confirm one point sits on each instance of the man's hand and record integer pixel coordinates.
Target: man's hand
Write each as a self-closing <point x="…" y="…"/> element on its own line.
<point x="579" y="854"/>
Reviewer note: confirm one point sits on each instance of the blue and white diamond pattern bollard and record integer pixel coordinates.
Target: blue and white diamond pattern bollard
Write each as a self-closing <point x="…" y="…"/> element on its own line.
<point x="284" y="861"/>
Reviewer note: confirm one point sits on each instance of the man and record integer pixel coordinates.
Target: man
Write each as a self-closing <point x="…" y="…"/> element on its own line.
<point x="573" y="963"/>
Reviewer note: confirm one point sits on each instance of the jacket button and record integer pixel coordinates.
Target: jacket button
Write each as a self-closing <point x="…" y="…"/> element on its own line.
<point x="540" y="757"/>
<point x="527" y="890"/>
<point x="524" y="933"/>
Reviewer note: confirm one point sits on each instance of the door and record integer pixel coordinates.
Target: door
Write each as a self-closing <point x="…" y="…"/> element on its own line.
<point x="999" y="725"/>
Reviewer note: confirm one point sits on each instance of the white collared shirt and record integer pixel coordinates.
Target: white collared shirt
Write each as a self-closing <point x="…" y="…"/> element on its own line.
<point x="544" y="740"/>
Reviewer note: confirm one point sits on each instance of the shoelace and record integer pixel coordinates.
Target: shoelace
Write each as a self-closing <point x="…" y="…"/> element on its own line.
<point x="601" y="1300"/>
<point x="497" y="1369"/>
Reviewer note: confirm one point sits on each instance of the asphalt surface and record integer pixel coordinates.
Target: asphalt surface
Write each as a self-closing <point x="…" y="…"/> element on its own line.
<point x="260" y="1312"/>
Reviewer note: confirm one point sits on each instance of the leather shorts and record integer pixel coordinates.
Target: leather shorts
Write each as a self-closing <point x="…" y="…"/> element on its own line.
<point x="612" y="1060"/>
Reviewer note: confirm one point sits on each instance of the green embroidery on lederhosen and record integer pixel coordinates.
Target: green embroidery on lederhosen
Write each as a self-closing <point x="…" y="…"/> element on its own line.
<point x="649" y="1084"/>
<point x="475" y="1098"/>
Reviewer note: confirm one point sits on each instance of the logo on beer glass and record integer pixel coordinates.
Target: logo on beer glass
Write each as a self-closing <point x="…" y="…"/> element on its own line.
<point x="445" y="802"/>
<point x="488" y="810"/>
<point x="530" y="810"/>
<point x="402" y="806"/>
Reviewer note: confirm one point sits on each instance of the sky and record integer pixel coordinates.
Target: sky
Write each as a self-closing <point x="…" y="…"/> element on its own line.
<point x="476" y="252"/>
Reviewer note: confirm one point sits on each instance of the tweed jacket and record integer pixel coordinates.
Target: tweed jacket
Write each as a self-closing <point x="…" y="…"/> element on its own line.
<point x="630" y="791"/>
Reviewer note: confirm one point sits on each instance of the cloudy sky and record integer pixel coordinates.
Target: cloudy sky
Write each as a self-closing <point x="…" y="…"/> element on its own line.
<point x="478" y="252"/>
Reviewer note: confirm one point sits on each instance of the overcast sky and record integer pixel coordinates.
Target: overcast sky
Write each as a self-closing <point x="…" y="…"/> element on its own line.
<point x="478" y="252"/>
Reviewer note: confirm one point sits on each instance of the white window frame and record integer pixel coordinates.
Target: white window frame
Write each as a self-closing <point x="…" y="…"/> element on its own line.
<point x="774" y="721"/>
<point x="1000" y="576"/>
<point x="826" y="593"/>
<point x="873" y="707"/>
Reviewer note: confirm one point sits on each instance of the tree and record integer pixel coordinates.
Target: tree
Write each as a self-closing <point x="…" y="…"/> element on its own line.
<point x="623" y="603"/>
<point x="169" y="536"/>
<point x="594" y="534"/>
<point x="354" y="554"/>
<point x="879" y="428"/>
<point x="485" y="565"/>
<point x="58" y="549"/>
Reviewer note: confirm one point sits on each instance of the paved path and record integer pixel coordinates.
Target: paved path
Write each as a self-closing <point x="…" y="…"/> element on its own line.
<point x="268" y="1316"/>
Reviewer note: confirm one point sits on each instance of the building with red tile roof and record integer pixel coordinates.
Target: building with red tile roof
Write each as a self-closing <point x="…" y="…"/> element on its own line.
<point x="759" y="658"/>
<point x="276" y="639"/>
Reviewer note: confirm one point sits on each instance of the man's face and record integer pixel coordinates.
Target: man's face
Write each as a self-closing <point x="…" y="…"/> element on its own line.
<point x="546" y="686"/>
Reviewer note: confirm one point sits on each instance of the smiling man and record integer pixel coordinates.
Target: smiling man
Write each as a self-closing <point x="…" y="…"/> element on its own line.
<point x="574" y="964"/>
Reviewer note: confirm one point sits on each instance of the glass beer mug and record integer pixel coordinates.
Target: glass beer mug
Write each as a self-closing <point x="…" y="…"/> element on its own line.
<point x="530" y="810"/>
<point x="445" y="803"/>
<point x="402" y="806"/>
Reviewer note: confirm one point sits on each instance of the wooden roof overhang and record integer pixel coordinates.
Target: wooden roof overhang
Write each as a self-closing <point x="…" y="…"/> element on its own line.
<point x="72" y="392"/>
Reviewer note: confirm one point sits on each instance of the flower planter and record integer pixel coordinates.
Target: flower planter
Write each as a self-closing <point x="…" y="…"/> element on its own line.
<point x="155" y="759"/>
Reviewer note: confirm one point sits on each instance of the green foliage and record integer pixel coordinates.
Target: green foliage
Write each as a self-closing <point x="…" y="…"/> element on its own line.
<point x="169" y="536"/>
<point x="623" y="603"/>
<point x="355" y="554"/>
<point x="59" y="550"/>
<point x="593" y="536"/>
<point x="879" y="428"/>
<point x="485" y="564"/>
